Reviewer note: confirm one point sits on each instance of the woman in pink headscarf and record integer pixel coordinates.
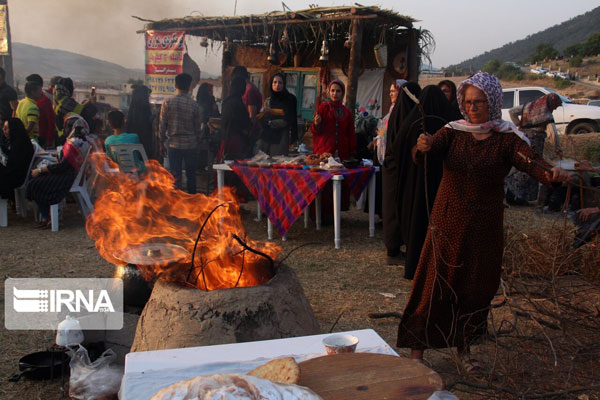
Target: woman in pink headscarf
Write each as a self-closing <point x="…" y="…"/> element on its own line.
<point x="333" y="125"/>
<point x="333" y="132"/>
<point x="459" y="270"/>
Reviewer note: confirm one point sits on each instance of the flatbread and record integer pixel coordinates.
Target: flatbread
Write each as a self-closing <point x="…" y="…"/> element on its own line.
<point x="281" y="370"/>
<point x="233" y="387"/>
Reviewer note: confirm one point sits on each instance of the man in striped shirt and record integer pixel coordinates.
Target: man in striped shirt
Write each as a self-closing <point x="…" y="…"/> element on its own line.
<point x="180" y="129"/>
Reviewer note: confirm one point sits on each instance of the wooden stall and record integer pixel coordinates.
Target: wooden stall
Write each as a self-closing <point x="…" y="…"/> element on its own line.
<point x="313" y="46"/>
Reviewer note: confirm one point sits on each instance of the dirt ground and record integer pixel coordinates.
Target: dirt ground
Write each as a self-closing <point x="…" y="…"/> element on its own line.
<point x="347" y="284"/>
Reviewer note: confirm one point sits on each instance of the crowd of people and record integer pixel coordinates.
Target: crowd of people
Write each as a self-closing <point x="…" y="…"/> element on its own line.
<point x="448" y="162"/>
<point x="51" y="119"/>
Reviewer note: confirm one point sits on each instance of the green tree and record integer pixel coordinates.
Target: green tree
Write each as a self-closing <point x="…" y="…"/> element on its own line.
<point x="576" y="61"/>
<point x="573" y="50"/>
<point x="592" y="46"/>
<point x="543" y="51"/>
<point x="491" y="66"/>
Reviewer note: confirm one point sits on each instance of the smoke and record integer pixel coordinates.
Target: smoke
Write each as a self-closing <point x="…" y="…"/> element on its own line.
<point x="101" y="29"/>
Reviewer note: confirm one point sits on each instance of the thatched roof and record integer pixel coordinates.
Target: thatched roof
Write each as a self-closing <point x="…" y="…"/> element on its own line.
<point x="312" y="22"/>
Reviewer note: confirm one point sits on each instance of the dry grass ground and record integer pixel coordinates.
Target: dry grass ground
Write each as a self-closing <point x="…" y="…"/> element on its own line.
<point x="349" y="283"/>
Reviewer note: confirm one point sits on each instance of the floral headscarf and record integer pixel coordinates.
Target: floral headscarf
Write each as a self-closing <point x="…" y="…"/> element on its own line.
<point x="490" y="85"/>
<point x="77" y="144"/>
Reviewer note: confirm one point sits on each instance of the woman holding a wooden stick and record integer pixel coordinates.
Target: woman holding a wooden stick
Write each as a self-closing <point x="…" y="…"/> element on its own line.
<point x="460" y="265"/>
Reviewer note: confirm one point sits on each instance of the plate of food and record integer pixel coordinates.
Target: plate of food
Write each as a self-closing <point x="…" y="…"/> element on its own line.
<point x="276" y="380"/>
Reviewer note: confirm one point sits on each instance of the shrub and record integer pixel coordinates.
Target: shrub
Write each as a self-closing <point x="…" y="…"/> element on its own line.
<point x="591" y="152"/>
<point x="576" y="61"/>
<point x="562" y="83"/>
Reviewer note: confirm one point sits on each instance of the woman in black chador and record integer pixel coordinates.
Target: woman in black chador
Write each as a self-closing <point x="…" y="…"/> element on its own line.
<point x="412" y="202"/>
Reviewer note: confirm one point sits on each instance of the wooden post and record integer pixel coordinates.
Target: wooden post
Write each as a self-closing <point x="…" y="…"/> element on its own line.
<point x="354" y="67"/>
<point x="225" y="77"/>
<point x="6" y="61"/>
<point x="413" y="62"/>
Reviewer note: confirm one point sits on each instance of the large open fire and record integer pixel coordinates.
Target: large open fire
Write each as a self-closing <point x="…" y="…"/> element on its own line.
<point x="148" y="220"/>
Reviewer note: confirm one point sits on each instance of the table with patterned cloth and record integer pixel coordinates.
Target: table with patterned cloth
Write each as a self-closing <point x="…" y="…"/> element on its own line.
<point x="284" y="194"/>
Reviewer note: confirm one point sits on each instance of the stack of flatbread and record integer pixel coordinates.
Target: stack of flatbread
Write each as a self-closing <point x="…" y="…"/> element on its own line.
<point x="275" y="380"/>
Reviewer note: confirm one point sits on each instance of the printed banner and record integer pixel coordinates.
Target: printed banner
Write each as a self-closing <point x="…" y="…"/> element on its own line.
<point x="164" y="60"/>
<point x="3" y="31"/>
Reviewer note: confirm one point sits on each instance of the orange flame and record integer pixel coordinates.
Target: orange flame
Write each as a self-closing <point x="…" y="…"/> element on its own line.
<point x="148" y="220"/>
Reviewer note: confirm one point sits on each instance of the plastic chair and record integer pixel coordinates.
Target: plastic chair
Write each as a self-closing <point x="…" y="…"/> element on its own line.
<point x="79" y="188"/>
<point x="125" y="155"/>
<point x="3" y="213"/>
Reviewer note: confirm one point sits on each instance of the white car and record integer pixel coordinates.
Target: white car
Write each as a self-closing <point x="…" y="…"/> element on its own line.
<point x="563" y="75"/>
<point x="535" y="71"/>
<point x="551" y="74"/>
<point x="570" y="118"/>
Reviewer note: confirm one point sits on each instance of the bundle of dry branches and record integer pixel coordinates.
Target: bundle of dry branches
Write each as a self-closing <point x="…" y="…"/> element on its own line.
<point x="545" y="324"/>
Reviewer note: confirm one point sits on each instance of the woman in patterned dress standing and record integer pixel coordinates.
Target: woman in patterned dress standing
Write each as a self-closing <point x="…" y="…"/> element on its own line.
<point x="459" y="269"/>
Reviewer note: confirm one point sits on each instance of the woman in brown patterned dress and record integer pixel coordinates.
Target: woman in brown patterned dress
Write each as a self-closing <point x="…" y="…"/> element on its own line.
<point x="459" y="269"/>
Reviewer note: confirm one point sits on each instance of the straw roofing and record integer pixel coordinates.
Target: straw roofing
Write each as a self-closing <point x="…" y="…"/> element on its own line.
<point x="312" y="22"/>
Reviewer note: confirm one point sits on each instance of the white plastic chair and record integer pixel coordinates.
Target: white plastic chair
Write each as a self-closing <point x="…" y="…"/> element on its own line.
<point x="124" y="153"/>
<point x="79" y="188"/>
<point x="3" y="213"/>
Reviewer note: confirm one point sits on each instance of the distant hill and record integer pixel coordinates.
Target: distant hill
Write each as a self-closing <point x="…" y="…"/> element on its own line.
<point x="28" y="59"/>
<point x="576" y="30"/>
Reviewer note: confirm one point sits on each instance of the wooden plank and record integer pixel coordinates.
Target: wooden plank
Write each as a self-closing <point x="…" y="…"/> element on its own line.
<point x="362" y="376"/>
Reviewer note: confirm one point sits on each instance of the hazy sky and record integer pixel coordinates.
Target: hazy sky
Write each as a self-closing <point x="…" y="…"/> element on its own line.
<point x="104" y="28"/>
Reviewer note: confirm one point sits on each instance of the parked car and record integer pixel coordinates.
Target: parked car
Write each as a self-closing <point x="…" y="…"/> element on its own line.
<point x="535" y="71"/>
<point x="563" y="75"/>
<point x="570" y="118"/>
<point x="551" y="74"/>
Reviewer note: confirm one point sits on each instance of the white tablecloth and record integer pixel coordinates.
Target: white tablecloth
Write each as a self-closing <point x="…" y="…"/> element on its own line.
<point x="148" y="372"/>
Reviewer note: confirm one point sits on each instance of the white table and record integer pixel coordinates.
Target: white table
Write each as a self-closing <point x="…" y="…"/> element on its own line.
<point x="147" y="372"/>
<point x="337" y="204"/>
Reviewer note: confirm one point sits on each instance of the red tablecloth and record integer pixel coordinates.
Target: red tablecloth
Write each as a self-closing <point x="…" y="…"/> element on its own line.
<point x="283" y="194"/>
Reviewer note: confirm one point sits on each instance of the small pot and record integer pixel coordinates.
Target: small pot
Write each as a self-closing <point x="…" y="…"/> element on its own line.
<point x="136" y="290"/>
<point x="351" y="163"/>
<point x="42" y="365"/>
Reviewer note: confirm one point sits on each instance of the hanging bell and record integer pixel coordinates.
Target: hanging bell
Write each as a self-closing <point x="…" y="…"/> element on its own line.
<point x="226" y="46"/>
<point x="348" y="42"/>
<point x="204" y="41"/>
<point x="285" y="40"/>
<point x="272" y="55"/>
<point x="324" y="51"/>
